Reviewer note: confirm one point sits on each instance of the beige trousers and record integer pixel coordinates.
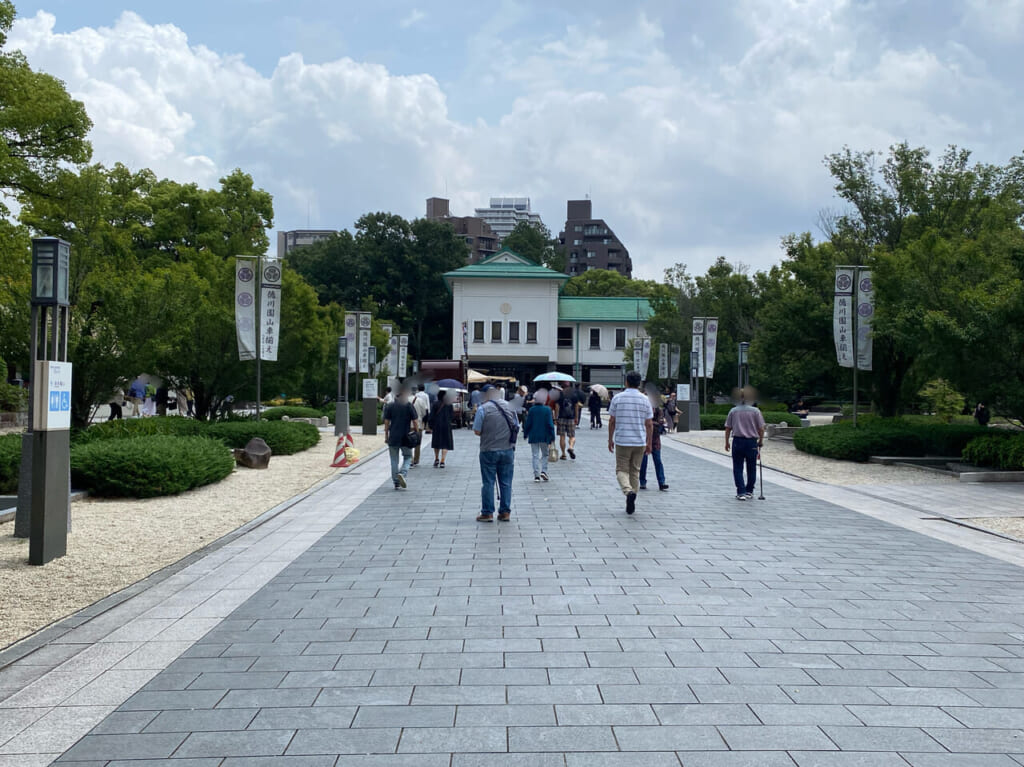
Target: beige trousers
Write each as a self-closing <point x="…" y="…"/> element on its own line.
<point x="627" y="467"/>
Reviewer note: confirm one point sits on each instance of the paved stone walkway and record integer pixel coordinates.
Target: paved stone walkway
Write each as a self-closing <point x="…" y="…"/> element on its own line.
<point x="701" y="632"/>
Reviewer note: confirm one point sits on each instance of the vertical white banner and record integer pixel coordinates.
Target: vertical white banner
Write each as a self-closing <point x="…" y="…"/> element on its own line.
<point x="865" y="314"/>
<point x="365" y="323"/>
<point x="393" y="357"/>
<point x="698" y="344"/>
<point x="842" y="317"/>
<point x="710" y="345"/>
<point x="245" y="307"/>
<point x="403" y="355"/>
<point x="662" y="361"/>
<point x="674" y="361"/>
<point x="638" y="352"/>
<point x="386" y="362"/>
<point x="465" y="338"/>
<point x="645" y="358"/>
<point x="270" y="310"/>
<point x="352" y="335"/>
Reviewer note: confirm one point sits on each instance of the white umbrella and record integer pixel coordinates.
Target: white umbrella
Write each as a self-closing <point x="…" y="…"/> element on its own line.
<point x="601" y="391"/>
<point x="561" y="377"/>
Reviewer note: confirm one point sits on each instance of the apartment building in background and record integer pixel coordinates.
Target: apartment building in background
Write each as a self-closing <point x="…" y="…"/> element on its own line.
<point x="480" y="239"/>
<point x="590" y="243"/>
<point x="505" y="212"/>
<point x="297" y="238"/>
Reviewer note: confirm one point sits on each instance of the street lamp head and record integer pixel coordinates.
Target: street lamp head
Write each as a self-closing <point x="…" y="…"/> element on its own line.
<point x="744" y="352"/>
<point x="342" y="348"/>
<point x="373" y="355"/>
<point x="51" y="266"/>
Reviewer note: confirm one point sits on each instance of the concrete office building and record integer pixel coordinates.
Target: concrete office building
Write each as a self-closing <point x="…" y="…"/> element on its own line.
<point x="590" y="243"/>
<point x="505" y="212"/>
<point x="297" y="238"/>
<point x="479" y="237"/>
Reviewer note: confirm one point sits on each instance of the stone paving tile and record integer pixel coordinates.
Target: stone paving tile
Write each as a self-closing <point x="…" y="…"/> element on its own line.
<point x="699" y="632"/>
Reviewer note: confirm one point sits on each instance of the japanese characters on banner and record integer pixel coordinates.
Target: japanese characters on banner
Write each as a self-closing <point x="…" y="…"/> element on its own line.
<point x="638" y="353"/>
<point x="662" y="361"/>
<point x="270" y="309"/>
<point x="674" y="361"/>
<point x="842" y="317"/>
<point x="393" y="357"/>
<point x="698" y="344"/>
<point x="645" y="358"/>
<point x="865" y="313"/>
<point x="388" y="362"/>
<point x="245" y="307"/>
<point x="351" y="335"/>
<point x="365" y="323"/>
<point x="710" y="345"/>
<point x="403" y="355"/>
<point x="465" y="338"/>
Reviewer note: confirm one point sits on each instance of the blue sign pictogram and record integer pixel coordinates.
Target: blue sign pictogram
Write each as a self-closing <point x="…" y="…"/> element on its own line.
<point x="54" y="401"/>
<point x="65" y="401"/>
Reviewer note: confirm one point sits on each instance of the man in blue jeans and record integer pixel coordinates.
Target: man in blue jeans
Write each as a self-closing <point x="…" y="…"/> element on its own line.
<point x="497" y="426"/>
<point x="745" y="425"/>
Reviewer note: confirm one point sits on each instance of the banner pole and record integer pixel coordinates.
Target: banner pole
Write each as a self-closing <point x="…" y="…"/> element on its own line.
<point x="856" y="340"/>
<point x="259" y="335"/>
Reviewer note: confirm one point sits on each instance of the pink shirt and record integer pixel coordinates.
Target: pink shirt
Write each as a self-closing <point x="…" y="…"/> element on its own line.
<point x="745" y="421"/>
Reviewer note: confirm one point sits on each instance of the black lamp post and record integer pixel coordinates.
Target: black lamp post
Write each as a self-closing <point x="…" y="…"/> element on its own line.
<point x="743" y="367"/>
<point x="44" y="485"/>
<point x="341" y="404"/>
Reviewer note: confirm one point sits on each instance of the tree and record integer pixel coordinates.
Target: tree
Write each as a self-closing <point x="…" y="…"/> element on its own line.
<point x="534" y="241"/>
<point x="42" y="129"/>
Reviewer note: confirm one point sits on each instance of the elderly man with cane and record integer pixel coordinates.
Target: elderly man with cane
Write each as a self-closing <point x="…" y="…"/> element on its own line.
<point x="745" y="425"/>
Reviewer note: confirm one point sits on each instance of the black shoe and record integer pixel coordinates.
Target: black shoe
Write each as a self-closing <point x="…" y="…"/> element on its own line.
<point x="630" y="503"/>
<point x="663" y="487"/>
<point x="643" y="487"/>
<point x="572" y="453"/>
<point x="436" y="463"/>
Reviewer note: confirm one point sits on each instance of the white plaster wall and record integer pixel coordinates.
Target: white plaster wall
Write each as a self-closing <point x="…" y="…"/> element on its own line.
<point x="528" y="301"/>
<point x="607" y="354"/>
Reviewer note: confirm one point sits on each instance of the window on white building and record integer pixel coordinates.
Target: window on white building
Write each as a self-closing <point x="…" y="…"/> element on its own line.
<point x="478" y="331"/>
<point x="620" y="338"/>
<point x="531" y="332"/>
<point x="565" y="338"/>
<point x="513" y="332"/>
<point x="595" y="338"/>
<point x="496" y="332"/>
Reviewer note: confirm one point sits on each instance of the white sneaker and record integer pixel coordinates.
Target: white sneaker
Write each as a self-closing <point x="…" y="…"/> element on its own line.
<point x="749" y="496"/>
<point x="741" y="497"/>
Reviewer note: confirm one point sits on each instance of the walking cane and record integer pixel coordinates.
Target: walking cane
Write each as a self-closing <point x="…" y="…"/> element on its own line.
<point x="761" y="468"/>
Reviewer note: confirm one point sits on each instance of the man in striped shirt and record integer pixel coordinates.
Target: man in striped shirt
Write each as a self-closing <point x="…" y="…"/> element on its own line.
<point x="630" y="431"/>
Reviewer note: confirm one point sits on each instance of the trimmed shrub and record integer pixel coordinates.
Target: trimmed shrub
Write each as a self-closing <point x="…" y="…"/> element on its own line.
<point x="10" y="463"/>
<point x="148" y="466"/>
<point x="12" y="398"/>
<point x="140" y="427"/>
<point x="292" y="411"/>
<point x="999" y="449"/>
<point x="283" y="437"/>
<point x="355" y="412"/>
<point x="884" y="436"/>
<point x="717" y="420"/>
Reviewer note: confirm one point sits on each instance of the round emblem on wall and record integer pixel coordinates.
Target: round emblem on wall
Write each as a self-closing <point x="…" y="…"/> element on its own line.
<point x="506" y="308"/>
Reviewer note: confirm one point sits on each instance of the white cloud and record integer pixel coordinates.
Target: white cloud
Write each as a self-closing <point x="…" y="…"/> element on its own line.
<point x="415" y="17"/>
<point x="685" y="160"/>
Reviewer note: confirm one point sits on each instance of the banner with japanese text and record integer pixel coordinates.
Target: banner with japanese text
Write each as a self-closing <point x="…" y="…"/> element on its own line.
<point x="270" y="310"/>
<point x="698" y="344"/>
<point x="710" y="345"/>
<point x="245" y="307"/>
<point x="842" y="317"/>
<point x="663" y="361"/>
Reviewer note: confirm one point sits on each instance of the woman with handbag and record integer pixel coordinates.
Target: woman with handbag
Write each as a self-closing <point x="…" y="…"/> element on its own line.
<point x="401" y="435"/>
<point x="441" y="420"/>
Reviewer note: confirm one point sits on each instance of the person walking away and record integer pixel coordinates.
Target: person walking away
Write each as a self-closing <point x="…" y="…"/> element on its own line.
<point x="136" y="393"/>
<point x="539" y="430"/>
<point x="162" y="397"/>
<point x="441" y="437"/>
<point x="117" y="406"/>
<point x="149" y="406"/>
<point x="594" y="405"/>
<point x="630" y="432"/>
<point x="981" y="414"/>
<point x="399" y="420"/>
<point x="496" y="425"/>
<point x="567" y="409"/>
<point x="421" y="404"/>
<point x="660" y="427"/>
<point x="745" y="425"/>
<point x="671" y="413"/>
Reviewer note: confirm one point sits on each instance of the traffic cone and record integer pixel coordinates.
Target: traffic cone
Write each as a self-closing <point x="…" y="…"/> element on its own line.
<point x="341" y="453"/>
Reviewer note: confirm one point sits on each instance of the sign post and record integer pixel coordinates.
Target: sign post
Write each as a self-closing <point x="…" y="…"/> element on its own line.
<point x="341" y="425"/>
<point x="369" y="403"/>
<point x="852" y="313"/>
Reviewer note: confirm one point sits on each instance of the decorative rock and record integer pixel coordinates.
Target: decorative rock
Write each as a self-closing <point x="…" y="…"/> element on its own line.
<point x="255" y="455"/>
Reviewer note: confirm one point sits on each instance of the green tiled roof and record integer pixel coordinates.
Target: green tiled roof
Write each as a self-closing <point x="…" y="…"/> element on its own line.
<point x="498" y="266"/>
<point x="591" y="309"/>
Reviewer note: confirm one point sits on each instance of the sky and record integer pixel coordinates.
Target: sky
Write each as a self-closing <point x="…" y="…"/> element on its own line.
<point x="697" y="128"/>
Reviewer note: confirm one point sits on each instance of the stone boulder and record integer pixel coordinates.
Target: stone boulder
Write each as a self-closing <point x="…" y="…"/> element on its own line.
<point x="255" y="455"/>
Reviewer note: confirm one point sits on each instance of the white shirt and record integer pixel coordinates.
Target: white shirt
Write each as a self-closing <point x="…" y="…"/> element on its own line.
<point x="631" y="410"/>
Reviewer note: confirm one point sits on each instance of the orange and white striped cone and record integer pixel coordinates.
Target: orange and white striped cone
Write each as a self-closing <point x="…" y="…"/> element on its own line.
<point x="341" y="453"/>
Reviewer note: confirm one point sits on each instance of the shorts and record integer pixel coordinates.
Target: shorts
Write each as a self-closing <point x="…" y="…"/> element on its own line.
<point x="566" y="427"/>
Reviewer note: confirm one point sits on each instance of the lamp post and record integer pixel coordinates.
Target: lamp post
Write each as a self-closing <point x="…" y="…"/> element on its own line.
<point x="743" y="367"/>
<point x="341" y="404"/>
<point x="370" y="393"/>
<point x="44" y="497"/>
<point x="693" y="405"/>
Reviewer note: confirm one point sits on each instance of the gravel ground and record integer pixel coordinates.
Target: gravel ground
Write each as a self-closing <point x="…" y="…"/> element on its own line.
<point x="115" y="543"/>
<point x="1012" y="526"/>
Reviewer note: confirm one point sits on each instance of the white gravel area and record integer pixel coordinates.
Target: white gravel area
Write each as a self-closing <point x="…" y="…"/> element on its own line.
<point x="780" y="454"/>
<point x="1012" y="526"/>
<point x="115" y="543"/>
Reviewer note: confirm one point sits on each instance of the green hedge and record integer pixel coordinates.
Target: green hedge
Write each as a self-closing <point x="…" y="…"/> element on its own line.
<point x="717" y="420"/>
<point x="293" y="411"/>
<point x="999" y="449"/>
<point x="125" y="428"/>
<point x="283" y="437"/>
<point x="355" y="412"/>
<point x="10" y="463"/>
<point x="148" y="466"/>
<point x="884" y="436"/>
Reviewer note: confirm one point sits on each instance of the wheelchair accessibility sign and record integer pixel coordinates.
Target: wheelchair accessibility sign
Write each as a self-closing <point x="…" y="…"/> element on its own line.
<point x="52" y="389"/>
